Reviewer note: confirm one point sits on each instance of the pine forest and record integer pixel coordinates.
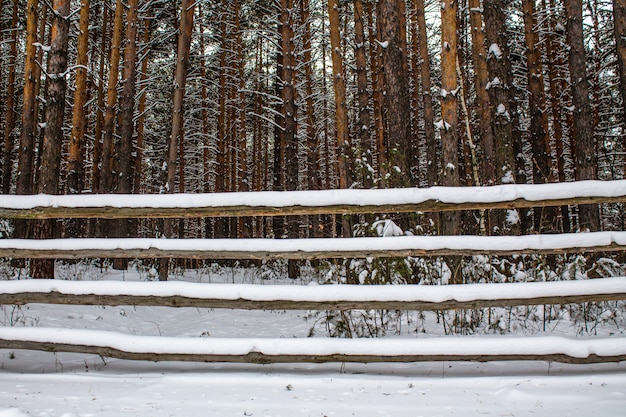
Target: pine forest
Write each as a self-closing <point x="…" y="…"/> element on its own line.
<point x="199" y="96"/>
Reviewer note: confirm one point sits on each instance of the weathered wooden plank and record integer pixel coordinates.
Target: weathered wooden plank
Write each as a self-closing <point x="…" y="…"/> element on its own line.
<point x="403" y="246"/>
<point x="244" y="304"/>
<point x="268" y="351"/>
<point x="296" y="249"/>
<point x="270" y="203"/>
<point x="279" y="297"/>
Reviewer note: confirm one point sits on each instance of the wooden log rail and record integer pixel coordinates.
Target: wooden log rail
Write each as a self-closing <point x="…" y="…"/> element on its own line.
<point x="402" y="246"/>
<point x="322" y="297"/>
<point x="282" y="203"/>
<point x="315" y="350"/>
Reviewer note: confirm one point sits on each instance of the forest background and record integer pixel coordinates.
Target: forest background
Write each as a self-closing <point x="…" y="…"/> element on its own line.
<point x="162" y="96"/>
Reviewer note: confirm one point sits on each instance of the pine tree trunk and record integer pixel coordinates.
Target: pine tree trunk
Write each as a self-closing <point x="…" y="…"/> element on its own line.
<point x="289" y="140"/>
<point x="180" y="79"/>
<point x="552" y="53"/>
<point x="44" y="40"/>
<point x="313" y="166"/>
<point x="124" y="146"/>
<point x="96" y="169"/>
<point x="379" y="145"/>
<point x="27" y="143"/>
<point x="339" y="86"/>
<point x="53" y="137"/>
<point x="26" y="153"/>
<point x="396" y="90"/>
<point x="427" y="99"/>
<point x="585" y="150"/>
<point x="619" y="20"/>
<point x="448" y="126"/>
<point x="206" y="163"/>
<point x="75" y="180"/>
<point x="221" y="224"/>
<point x="106" y="168"/>
<point x="364" y="131"/>
<point x="544" y="219"/>
<point x="9" y="126"/>
<point x="244" y="228"/>
<point x="500" y="92"/>
<point x="481" y="78"/>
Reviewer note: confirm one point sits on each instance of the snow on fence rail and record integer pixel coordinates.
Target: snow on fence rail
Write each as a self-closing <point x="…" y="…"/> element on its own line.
<point x="159" y="348"/>
<point x="280" y="203"/>
<point x="313" y="248"/>
<point x="313" y="297"/>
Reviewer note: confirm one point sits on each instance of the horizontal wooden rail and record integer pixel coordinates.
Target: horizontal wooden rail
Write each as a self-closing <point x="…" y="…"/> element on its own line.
<point x="274" y="203"/>
<point x="316" y="350"/>
<point x="402" y="246"/>
<point x="318" y="297"/>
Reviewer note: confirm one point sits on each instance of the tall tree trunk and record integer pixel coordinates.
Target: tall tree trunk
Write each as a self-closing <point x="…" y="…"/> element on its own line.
<point x="221" y="224"/>
<point x="53" y="137"/>
<point x="396" y="90"/>
<point x="289" y="143"/>
<point x="27" y="144"/>
<point x="481" y="78"/>
<point x="339" y="86"/>
<point x="244" y="228"/>
<point x="499" y="68"/>
<point x="180" y="79"/>
<point x="552" y="52"/>
<point x="448" y="126"/>
<point x="585" y="153"/>
<point x="96" y="169"/>
<point x="427" y="99"/>
<point x="124" y="146"/>
<point x="500" y="91"/>
<point x="313" y="166"/>
<point x="43" y="40"/>
<point x="106" y="168"/>
<point x="26" y="153"/>
<point x="206" y="163"/>
<point x="363" y="127"/>
<point x="539" y="138"/>
<point x="141" y="120"/>
<point x="9" y="126"/>
<point x="378" y="147"/>
<point x="619" y="20"/>
<point x="75" y="180"/>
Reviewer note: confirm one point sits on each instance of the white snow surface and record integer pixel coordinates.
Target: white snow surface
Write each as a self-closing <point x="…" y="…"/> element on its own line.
<point x="454" y="195"/>
<point x="44" y="384"/>
<point x="475" y="243"/>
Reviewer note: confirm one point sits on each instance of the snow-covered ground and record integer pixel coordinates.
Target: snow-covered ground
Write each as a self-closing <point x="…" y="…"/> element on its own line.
<point x="69" y="385"/>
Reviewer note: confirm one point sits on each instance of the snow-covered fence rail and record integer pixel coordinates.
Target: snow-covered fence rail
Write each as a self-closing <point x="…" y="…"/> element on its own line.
<point x="280" y="203"/>
<point x="321" y="297"/>
<point x="316" y="350"/>
<point x="320" y="248"/>
<point x="312" y="297"/>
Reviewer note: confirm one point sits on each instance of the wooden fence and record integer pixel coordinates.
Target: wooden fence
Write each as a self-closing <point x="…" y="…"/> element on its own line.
<point x="344" y="297"/>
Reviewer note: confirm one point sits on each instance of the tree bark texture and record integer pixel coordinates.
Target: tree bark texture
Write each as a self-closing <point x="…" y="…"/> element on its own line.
<point x="339" y="85"/>
<point x="9" y="127"/>
<point x="396" y="91"/>
<point x="27" y="144"/>
<point x="585" y="148"/>
<point x="106" y="167"/>
<point x="53" y="134"/>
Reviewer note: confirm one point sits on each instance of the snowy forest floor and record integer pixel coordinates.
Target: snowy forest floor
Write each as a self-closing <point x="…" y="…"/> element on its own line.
<point x="70" y="385"/>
